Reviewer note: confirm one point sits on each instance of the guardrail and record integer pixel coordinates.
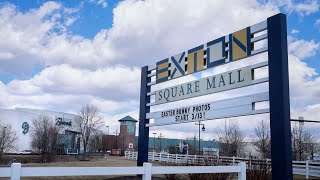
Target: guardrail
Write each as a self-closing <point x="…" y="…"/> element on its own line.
<point x="147" y="170"/>
<point x="305" y="168"/>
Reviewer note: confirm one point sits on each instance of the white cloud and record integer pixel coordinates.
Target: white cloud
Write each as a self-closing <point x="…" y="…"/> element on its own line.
<point x="307" y="8"/>
<point x="27" y="35"/>
<point x="317" y="24"/>
<point x="301" y="48"/>
<point x="107" y="83"/>
<point x="144" y="30"/>
<point x="103" y="70"/>
<point x="102" y="3"/>
<point x="304" y="8"/>
<point x="294" y="31"/>
<point x="6" y="55"/>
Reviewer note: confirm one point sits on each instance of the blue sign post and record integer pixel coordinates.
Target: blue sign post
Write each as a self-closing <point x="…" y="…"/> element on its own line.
<point x="281" y="155"/>
<point x="224" y="50"/>
<point x="143" y="140"/>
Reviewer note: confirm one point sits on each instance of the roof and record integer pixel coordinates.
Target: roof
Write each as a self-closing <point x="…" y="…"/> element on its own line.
<point x="127" y="118"/>
<point x="166" y="143"/>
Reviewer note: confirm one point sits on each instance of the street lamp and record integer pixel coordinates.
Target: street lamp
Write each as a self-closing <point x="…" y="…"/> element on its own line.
<point x="154" y="141"/>
<point x="203" y="129"/>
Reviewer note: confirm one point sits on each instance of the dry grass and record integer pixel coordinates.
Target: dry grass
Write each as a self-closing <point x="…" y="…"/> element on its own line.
<point x="109" y="161"/>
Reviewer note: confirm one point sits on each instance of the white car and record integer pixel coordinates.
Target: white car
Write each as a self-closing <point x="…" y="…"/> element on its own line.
<point x="26" y="152"/>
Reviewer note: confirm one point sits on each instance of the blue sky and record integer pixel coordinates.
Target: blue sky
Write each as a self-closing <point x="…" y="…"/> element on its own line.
<point x="59" y="55"/>
<point x="92" y="17"/>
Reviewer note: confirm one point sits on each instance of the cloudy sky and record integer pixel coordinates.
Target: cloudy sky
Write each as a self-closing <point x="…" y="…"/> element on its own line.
<point x="60" y="55"/>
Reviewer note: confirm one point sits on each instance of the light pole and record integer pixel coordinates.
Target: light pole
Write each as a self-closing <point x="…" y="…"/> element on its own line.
<point x="116" y="139"/>
<point x="107" y="130"/>
<point x="194" y="144"/>
<point x="203" y="129"/>
<point x="154" y="141"/>
<point x="160" y="141"/>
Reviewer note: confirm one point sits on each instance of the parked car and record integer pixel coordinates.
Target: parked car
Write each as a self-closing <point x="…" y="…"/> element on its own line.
<point x="26" y="152"/>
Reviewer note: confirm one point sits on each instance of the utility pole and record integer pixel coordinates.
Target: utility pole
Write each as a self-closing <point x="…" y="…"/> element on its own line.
<point x="203" y="129"/>
<point x="154" y="141"/>
<point x="160" y="141"/>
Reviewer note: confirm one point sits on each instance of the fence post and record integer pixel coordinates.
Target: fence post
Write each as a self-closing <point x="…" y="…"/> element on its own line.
<point x="307" y="169"/>
<point x="160" y="157"/>
<point x="242" y="173"/>
<point x="15" y="171"/>
<point x="147" y="171"/>
<point x="152" y="155"/>
<point x="176" y="158"/>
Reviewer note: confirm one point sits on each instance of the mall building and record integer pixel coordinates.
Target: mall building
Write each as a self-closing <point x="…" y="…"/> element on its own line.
<point x="21" y="121"/>
<point x="70" y="139"/>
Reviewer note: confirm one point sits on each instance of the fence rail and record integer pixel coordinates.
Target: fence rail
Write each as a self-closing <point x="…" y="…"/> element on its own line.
<point x="16" y="171"/>
<point x="305" y="168"/>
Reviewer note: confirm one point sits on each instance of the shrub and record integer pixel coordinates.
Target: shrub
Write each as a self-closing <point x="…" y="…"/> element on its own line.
<point x="259" y="170"/>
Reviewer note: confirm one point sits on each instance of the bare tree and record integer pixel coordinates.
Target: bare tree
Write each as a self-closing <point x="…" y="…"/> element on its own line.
<point x="231" y="139"/>
<point x="96" y="143"/>
<point x="8" y="139"/>
<point x="311" y="144"/>
<point x="45" y="135"/>
<point x="262" y="139"/>
<point x="192" y="146"/>
<point x="304" y="142"/>
<point x="89" y="121"/>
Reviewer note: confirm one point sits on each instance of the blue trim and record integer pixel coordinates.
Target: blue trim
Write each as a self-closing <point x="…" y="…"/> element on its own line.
<point x="281" y="152"/>
<point x="177" y="64"/>
<point x="241" y="46"/>
<point x="162" y="70"/>
<point x="230" y="48"/>
<point x="248" y="42"/>
<point x="182" y="57"/>
<point x="195" y="49"/>
<point x="174" y="72"/>
<point x="216" y="63"/>
<point x="216" y="41"/>
<point x="219" y="61"/>
<point x="162" y="61"/>
<point x="162" y="80"/>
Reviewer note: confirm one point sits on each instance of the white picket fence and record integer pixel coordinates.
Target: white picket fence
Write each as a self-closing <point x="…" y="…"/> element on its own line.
<point x="185" y="158"/>
<point x="147" y="170"/>
<point x="305" y="168"/>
